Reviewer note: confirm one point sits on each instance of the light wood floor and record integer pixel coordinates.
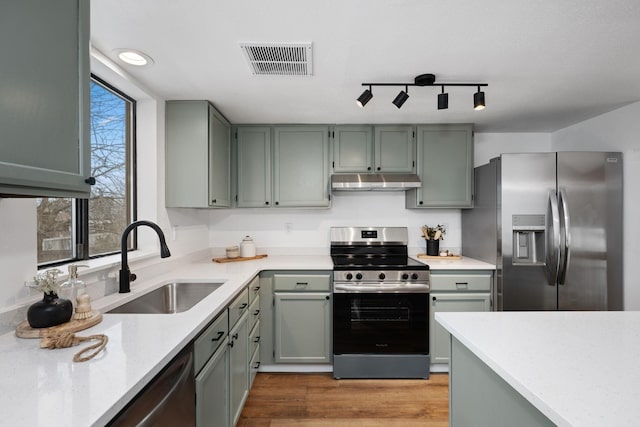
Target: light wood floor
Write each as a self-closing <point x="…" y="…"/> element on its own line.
<point x="317" y="400"/>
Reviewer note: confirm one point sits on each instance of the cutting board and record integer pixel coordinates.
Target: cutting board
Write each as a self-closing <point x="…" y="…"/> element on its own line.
<point x="441" y="258"/>
<point x="239" y="258"/>
<point x="23" y="330"/>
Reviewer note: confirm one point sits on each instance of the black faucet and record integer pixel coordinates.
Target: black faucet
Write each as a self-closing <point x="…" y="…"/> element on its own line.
<point x="126" y="277"/>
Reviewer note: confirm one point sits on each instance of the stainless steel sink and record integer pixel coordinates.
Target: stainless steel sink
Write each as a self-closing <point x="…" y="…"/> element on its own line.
<point x="171" y="298"/>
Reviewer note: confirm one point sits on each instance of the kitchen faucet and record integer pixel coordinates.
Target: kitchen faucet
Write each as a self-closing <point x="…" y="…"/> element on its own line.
<point x="126" y="277"/>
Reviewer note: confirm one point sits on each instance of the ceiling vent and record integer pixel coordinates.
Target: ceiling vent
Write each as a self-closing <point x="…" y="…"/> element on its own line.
<point x="278" y="59"/>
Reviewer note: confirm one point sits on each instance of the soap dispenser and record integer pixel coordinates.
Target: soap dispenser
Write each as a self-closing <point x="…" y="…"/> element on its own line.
<point x="79" y="294"/>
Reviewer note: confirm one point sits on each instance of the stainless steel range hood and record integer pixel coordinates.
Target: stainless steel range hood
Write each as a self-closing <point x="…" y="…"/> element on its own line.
<point x="375" y="181"/>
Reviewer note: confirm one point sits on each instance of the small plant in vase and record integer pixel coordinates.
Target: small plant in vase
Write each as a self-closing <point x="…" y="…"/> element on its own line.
<point x="433" y="235"/>
<point x="51" y="310"/>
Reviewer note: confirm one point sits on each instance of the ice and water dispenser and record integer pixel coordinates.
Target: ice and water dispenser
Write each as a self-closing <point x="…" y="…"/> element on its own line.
<point x="528" y="239"/>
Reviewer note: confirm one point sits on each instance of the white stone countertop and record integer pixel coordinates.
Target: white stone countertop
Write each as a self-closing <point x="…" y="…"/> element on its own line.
<point x="578" y="368"/>
<point x="465" y="263"/>
<point x="42" y="387"/>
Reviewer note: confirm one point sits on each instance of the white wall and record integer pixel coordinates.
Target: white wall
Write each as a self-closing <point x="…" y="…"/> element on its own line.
<point x="490" y="145"/>
<point x="618" y="130"/>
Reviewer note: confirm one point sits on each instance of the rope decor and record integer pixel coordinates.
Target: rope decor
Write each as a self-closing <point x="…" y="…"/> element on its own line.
<point x="67" y="339"/>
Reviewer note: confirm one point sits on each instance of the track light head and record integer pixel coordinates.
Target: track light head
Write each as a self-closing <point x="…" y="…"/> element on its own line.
<point x="478" y="100"/>
<point x="364" y="98"/>
<point x="401" y="98"/>
<point x="443" y="100"/>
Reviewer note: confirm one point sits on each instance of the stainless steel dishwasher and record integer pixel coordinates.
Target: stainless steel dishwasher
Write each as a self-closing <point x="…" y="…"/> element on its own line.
<point x="168" y="400"/>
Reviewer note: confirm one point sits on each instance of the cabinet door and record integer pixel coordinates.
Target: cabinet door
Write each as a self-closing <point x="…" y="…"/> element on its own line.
<point x="352" y="148"/>
<point x="238" y="367"/>
<point x="302" y="327"/>
<point x="212" y="390"/>
<point x="44" y="112"/>
<point x="219" y="160"/>
<point x="394" y="149"/>
<point x="445" y="166"/>
<point x="254" y="167"/>
<point x="448" y="302"/>
<point x="301" y="166"/>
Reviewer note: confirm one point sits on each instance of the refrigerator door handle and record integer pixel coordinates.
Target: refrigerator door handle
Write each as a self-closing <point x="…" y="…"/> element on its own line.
<point x="565" y="235"/>
<point x="552" y="231"/>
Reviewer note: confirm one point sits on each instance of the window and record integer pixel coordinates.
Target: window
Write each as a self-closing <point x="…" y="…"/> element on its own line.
<point x="75" y="229"/>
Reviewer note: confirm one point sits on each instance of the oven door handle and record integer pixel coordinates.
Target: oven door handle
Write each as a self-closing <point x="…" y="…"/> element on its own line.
<point x="340" y="288"/>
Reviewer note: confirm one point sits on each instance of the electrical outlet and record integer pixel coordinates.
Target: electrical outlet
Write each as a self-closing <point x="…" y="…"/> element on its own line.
<point x="288" y="227"/>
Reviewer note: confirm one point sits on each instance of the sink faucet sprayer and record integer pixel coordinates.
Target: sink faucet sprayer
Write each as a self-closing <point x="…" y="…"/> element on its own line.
<point x="126" y="277"/>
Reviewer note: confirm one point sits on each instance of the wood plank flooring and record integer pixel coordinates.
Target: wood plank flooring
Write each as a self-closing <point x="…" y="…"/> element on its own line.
<point x="318" y="400"/>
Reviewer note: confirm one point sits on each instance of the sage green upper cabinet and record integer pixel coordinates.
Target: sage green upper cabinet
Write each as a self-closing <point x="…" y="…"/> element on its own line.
<point x="301" y="166"/>
<point x="198" y="156"/>
<point x="445" y="167"/>
<point x="362" y="149"/>
<point x="352" y="148"/>
<point x="394" y="149"/>
<point x="44" y="87"/>
<point x="254" y="166"/>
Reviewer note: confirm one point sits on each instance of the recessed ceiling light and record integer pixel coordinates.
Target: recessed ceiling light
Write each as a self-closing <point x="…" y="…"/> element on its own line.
<point x="134" y="57"/>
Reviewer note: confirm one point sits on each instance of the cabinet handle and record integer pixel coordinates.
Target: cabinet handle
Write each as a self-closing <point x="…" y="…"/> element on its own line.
<point x="91" y="181"/>
<point x="214" y="200"/>
<point x="257" y="365"/>
<point x="462" y="284"/>
<point x="379" y="168"/>
<point x="255" y="313"/>
<point x="257" y="339"/>
<point x="420" y="202"/>
<point x="327" y="297"/>
<point x="220" y="334"/>
<point x="235" y="336"/>
<point x="302" y="283"/>
<point x="230" y="343"/>
<point x="243" y="306"/>
<point x="369" y="168"/>
<point x="266" y="203"/>
<point x="277" y="203"/>
<point x="256" y="289"/>
<point x="433" y="298"/>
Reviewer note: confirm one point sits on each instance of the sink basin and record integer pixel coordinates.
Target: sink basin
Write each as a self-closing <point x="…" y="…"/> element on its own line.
<point x="171" y="298"/>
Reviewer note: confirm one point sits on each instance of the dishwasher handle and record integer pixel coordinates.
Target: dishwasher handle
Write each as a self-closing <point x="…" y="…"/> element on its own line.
<point x="181" y="369"/>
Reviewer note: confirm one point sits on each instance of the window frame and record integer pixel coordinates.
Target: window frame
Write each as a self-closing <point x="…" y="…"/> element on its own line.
<point x="80" y="207"/>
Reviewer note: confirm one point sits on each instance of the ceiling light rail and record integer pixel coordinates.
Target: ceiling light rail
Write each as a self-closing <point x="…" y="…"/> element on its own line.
<point x="425" y="80"/>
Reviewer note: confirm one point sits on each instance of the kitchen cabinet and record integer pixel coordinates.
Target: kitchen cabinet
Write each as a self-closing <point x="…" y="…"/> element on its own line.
<point x="44" y="113"/>
<point x="254" y="329"/>
<point x="363" y="148"/>
<point x="445" y="167"/>
<point x="455" y="291"/>
<point x="283" y="166"/>
<point x="238" y="366"/>
<point x="302" y="318"/>
<point x="198" y="155"/>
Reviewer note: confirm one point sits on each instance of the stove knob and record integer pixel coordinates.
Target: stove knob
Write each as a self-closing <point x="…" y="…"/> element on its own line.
<point x="381" y="276"/>
<point x="359" y="276"/>
<point x="349" y="276"/>
<point x="414" y="276"/>
<point x="405" y="276"/>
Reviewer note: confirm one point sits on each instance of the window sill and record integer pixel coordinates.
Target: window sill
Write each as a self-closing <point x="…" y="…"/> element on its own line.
<point x="104" y="263"/>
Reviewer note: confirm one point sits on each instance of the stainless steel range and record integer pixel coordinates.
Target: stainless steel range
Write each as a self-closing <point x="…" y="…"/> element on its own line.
<point x="380" y="305"/>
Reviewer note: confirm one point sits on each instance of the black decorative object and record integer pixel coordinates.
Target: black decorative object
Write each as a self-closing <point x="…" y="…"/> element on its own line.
<point x="433" y="247"/>
<point x="50" y="311"/>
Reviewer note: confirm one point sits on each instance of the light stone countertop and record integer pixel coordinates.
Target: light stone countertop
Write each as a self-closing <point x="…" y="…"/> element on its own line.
<point x="577" y="368"/>
<point x="46" y="388"/>
<point x="465" y="263"/>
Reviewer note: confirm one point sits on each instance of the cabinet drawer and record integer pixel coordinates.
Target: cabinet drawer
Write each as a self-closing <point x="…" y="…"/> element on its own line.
<point x="254" y="338"/>
<point x="254" y="312"/>
<point x="460" y="282"/>
<point x="254" y="365"/>
<point x="301" y="282"/>
<point x="254" y="289"/>
<point x="238" y="307"/>
<point x="209" y="341"/>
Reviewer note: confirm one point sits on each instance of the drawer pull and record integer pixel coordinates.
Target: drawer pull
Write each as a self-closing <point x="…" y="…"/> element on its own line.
<point x="256" y="289"/>
<point x="235" y="336"/>
<point x="255" y="313"/>
<point x="243" y="306"/>
<point x="462" y="284"/>
<point x="220" y="334"/>
<point x="302" y="283"/>
<point x="257" y="339"/>
<point x="230" y="343"/>
<point x="257" y="365"/>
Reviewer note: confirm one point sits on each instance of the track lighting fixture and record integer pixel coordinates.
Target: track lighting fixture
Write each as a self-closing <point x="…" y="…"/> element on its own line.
<point x="401" y="98"/>
<point x="443" y="100"/>
<point x="478" y="100"/>
<point x="364" y="98"/>
<point x="425" y="80"/>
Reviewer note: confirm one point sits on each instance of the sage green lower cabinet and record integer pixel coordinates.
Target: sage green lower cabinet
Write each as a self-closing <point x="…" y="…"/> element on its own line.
<point x="302" y="327"/>
<point x="455" y="291"/>
<point x="212" y="390"/>
<point x="480" y="397"/>
<point x="239" y="366"/>
<point x="445" y="167"/>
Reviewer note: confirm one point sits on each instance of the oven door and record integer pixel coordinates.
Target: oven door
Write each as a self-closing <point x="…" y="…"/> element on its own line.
<point x="381" y="323"/>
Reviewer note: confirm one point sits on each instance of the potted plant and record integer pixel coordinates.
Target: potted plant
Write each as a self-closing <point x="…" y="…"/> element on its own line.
<point x="433" y="235"/>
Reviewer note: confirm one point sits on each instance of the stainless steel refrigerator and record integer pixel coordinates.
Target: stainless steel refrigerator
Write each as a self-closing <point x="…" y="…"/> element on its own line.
<point x="552" y="224"/>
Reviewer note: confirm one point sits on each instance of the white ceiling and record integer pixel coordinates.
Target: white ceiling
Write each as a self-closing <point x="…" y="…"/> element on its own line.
<point x="548" y="63"/>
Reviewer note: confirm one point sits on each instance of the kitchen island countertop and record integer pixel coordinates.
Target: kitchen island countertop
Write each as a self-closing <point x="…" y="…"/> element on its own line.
<point x="576" y="368"/>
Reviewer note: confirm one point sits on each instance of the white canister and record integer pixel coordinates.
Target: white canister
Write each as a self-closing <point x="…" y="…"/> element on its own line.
<point x="247" y="248"/>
